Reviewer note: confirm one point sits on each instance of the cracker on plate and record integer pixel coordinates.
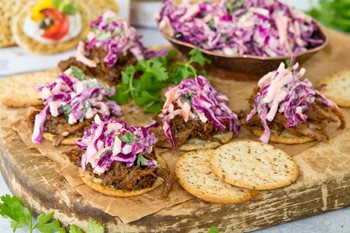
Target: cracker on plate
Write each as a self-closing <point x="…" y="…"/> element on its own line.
<point x="254" y="165"/>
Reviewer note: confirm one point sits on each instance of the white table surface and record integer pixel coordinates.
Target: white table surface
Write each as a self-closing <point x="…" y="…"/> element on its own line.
<point x="20" y="61"/>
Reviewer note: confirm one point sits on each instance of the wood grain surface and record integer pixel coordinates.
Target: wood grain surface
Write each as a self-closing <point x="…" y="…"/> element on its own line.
<point x="324" y="183"/>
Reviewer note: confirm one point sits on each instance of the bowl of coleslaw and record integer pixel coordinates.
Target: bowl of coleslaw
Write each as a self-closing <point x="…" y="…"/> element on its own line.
<point x="251" y="36"/>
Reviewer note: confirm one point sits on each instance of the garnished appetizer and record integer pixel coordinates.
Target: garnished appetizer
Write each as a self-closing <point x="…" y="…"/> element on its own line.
<point x="195" y="116"/>
<point x="69" y="105"/>
<point x="286" y="108"/>
<point x="264" y="28"/>
<point x="51" y="26"/>
<point x="117" y="159"/>
<point x="109" y="47"/>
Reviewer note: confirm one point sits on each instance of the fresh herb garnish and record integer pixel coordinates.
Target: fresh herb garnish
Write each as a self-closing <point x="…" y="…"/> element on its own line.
<point x="332" y="13"/>
<point x="211" y="24"/>
<point x="144" y="81"/>
<point x="128" y="137"/>
<point x="95" y="227"/>
<point x="213" y="229"/>
<point x="288" y="62"/>
<point x="141" y="161"/>
<point x="65" y="6"/>
<point x="13" y="208"/>
<point x="66" y="109"/>
<point x="75" y="229"/>
<point x="78" y="73"/>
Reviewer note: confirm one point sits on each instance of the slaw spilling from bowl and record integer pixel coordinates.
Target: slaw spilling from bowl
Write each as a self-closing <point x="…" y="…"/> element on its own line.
<point x="68" y="104"/>
<point x="264" y="28"/>
<point x="119" y="157"/>
<point x="286" y="101"/>
<point x="194" y="109"/>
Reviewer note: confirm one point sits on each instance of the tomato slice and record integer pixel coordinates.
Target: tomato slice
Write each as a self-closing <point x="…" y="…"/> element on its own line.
<point x="60" y="26"/>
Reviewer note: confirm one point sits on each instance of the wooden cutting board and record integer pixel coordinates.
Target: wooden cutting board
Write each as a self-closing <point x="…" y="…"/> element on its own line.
<point x="324" y="183"/>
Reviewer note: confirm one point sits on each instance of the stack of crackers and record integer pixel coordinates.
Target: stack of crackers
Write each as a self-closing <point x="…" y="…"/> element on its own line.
<point x="235" y="172"/>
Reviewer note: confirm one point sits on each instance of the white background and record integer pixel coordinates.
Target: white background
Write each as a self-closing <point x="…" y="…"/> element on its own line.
<point x="16" y="60"/>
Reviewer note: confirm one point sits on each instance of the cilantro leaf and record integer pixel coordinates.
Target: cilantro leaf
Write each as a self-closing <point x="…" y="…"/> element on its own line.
<point x="45" y="225"/>
<point x="158" y="70"/>
<point x="198" y="57"/>
<point x="128" y="137"/>
<point x="95" y="227"/>
<point x="14" y="209"/>
<point x="122" y="95"/>
<point x="75" y="229"/>
<point x="332" y="13"/>
<point x="78" y="73"/>
<point x="141" y="160"/>
<point x="213" y="229"/>
<point x="288" y="62"/>
<point x="144" y="81"/>
<point x="168" y="57"/>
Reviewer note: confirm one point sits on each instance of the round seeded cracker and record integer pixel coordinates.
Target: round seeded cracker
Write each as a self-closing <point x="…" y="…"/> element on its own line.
<point x="18" y="90"/>
<point x="199" y="144"/>
<point x="254" y="165"/>
<point x="337" y="88"/>
<point x="284" y="137"/>
<point x="196" y="177"/>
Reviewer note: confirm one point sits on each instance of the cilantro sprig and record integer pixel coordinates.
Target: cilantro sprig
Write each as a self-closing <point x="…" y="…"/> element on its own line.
<point x="332" y="13"/>
<point x="12" y="207"/>
<point x="144" y="81"/>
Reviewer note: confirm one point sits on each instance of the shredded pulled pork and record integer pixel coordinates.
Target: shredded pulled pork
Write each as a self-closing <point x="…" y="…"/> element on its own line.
<point x="127" y="178"/>
<point x="316" y="125"/>
<point x="182" y="131"/>
<point x="109" y="75"/>
<point x="59" y="127"/>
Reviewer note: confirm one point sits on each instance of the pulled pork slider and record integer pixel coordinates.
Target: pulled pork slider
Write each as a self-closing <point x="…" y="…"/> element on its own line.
<point x="69" y="104"/>
<point x="117" y="159"/>
<point x="195" y="116"/>
<point x="109" y="47"/>
<point x="286" y="108"/>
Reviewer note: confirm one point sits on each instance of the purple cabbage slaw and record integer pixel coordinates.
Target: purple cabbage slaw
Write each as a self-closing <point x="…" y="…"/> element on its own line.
<point x="197" y="99"/>
<point x="114" y="36"/>
<point x="77" y="99"/>
<point x="109" y="140"/>
<point x="266" y="28"/>
<point x="285" y="91"/>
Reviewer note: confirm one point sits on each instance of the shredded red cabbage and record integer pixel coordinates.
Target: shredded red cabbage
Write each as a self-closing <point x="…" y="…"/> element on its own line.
<point x="109" y="140"/>
<point x="266" y="28"/>
<point x="197" y="99"/>
<point x="114" y="36"/>
<point x="285" y="91"/>
<point x="77" y="99"/>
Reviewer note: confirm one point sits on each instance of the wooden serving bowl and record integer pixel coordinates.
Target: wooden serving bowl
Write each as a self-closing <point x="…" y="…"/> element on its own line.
<point x="249" y="64"/>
